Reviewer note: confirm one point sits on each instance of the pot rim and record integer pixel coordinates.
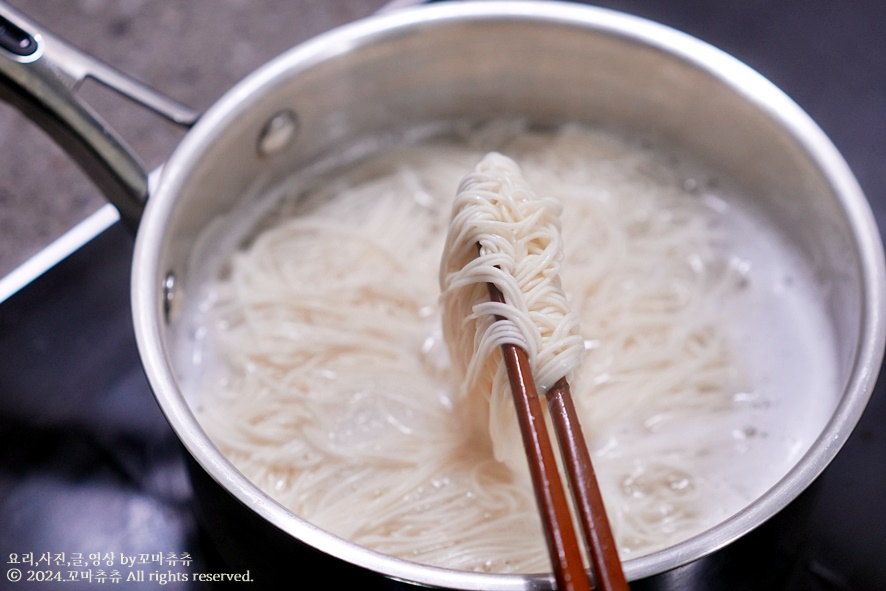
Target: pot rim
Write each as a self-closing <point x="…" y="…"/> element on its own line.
<point x="147" y="276"/>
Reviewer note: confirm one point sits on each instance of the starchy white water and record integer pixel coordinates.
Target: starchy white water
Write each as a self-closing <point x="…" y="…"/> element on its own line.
<point x="317" y="363"/>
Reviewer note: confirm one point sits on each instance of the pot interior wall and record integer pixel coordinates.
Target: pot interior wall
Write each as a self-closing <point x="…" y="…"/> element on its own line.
<point x="359" y="98"/>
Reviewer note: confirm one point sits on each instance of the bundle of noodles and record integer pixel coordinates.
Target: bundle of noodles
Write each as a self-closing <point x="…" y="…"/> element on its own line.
<point x="502" y="234"/>
<point x="319" y="367"/>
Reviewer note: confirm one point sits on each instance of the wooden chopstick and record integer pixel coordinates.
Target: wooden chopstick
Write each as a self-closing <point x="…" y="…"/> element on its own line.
<point x="563" y="546"/>
<point x="608" y="573"/>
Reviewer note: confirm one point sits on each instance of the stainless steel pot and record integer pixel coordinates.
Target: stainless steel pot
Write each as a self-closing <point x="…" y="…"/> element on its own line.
<point x="380" y="78"/>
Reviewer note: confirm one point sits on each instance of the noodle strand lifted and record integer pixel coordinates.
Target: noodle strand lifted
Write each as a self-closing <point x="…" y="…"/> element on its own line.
<point x="520" y="254"/>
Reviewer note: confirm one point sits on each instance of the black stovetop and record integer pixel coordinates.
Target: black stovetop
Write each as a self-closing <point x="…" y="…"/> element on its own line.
<point x="89" y="465"/>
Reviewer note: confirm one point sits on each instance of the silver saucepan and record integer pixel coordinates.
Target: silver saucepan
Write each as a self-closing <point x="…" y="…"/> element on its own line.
<point x="545" y="61"/>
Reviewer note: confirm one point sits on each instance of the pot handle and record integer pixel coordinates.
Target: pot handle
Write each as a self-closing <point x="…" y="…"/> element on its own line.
<point x="40" y="74"/>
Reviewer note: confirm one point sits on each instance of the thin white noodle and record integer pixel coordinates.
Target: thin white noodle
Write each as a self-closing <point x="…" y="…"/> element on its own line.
<point x="331" y="386"/>
<point x="502" y="233"/>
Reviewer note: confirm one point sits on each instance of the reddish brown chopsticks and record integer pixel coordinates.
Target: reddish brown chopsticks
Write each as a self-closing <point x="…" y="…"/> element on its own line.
<point x="586" y="493"/>
<point x="563" y="547"/>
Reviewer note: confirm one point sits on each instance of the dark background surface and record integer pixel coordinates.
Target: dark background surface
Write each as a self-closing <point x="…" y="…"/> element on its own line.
<point x="192" y="50"/>
<point x="87" y="461"/>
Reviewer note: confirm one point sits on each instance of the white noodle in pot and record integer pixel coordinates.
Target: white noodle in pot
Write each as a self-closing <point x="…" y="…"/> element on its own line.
<point x="322" y="372"/>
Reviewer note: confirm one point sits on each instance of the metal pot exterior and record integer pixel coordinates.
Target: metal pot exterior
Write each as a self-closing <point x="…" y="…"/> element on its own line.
<point x="548" y="62"/>
<point x="371" y="83"/>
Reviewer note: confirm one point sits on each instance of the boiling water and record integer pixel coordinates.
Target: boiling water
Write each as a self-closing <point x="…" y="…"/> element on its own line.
<point x="317" y="363"/>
